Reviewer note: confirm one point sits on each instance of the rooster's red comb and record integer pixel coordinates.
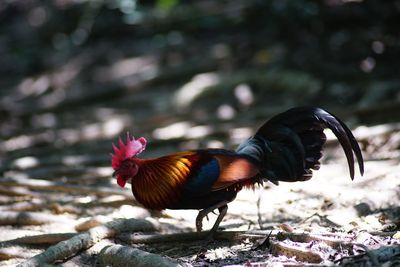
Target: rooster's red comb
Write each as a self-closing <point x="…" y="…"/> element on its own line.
<point x="125" y="151"/>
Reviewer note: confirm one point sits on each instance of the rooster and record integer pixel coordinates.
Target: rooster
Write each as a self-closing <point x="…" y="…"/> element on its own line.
<point x="286" y="148"/>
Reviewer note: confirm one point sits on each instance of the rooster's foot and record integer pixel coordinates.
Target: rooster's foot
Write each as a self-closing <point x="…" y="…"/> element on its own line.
<point x="222" y="208"/>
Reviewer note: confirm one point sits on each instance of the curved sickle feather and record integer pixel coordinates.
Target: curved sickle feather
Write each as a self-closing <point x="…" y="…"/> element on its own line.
<point x="354" y="145"/>
<point x="345" y="137"/>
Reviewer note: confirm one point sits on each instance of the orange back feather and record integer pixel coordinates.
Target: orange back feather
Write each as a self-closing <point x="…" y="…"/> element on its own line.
<point x="234" y="171"/>
<point x="158" y="182"/>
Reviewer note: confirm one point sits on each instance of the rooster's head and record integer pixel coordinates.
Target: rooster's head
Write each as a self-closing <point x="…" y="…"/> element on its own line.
<point x="122" y="159"/>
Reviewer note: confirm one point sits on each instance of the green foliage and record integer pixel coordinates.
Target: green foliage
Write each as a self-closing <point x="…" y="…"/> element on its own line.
<point x="166" y="4"/>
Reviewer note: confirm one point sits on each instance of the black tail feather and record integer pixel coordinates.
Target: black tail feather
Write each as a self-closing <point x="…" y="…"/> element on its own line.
<point x="290" y="144"/>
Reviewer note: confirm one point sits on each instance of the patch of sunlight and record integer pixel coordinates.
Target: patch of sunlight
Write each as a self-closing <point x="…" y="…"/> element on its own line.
<point x="215" y="144"/>
<point x="70" y="136"/>
<point x="26" y="162"/>
<point x="104" y="171"/>
<point x="111" y="123"/>
<point x="53" y="99"/>
<point x="73" y="160"/>
<point x="237" y="135"/>
<point x="19" y="142"/>
<point x="175" y="130"/>
<point x="191" y="90"/>
<point x="244" y="94"/>
<point x="129" y="211"/>
<point x="31" y="86"/>
<point x="368" y="64"/>
<point x="25" y="141"/>
<point x="127" y="6"/>
<point x="330" y="136"/>
<point x="111" y="198"/>
<point x="91" y="131"/>
<point x="363" y="132"/>
<point x="226" y="112"/>
<point x="106" y="129"/>
<point x="103" y="114"/>
<point x="113" y="127"/>
<point x="198" y="131"/>
<point x="85" y="199"/>
<point x="185" y="218"/>
<point x="146" y="65"/>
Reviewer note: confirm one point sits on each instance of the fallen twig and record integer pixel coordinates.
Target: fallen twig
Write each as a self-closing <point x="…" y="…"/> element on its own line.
<point x="301" y="254"/>
<point x="309" y="237"/>
<point x="39" y="239"/>
<point x="190" y="236"/>
<point x="232" y="236"/>
<point x="117" y="255"/>
<point x="70" y="247"/>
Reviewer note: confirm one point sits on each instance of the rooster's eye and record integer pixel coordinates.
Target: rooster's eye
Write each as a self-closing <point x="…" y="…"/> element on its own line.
<point x="127" y="165"/>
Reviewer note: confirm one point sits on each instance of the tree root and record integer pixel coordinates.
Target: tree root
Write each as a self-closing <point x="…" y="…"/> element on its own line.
<point x="333" y="241"/>
<point x="301" y="253"/>
<point x="190" y="236"/>
<point x="70" y="247"/>
<point x="45" y="239"/>
<point x="121" y="256"/>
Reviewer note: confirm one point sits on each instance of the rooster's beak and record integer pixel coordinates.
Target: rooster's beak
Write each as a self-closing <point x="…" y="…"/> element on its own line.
<point x="120" y="181"/>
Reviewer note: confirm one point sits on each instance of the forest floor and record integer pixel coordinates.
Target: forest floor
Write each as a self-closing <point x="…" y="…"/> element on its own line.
<point x="75" y="75"/>
<point x="327" y="220"/>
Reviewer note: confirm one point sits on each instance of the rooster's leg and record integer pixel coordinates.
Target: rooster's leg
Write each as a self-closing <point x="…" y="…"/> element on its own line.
<point x="222" y="207"/>
<point x="222" y="213"/>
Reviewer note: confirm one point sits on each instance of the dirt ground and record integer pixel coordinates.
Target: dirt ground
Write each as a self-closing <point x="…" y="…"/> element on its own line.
<point x="76" y="75"/>
<point x="327" y="220"/>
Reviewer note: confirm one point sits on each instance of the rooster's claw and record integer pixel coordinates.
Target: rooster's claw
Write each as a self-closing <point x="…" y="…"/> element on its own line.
<point x="222" y="208"/>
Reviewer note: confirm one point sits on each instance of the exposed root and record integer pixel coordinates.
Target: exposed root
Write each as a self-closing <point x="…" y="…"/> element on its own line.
<point x="70" y="247"/>
<point x="121" y="256"/>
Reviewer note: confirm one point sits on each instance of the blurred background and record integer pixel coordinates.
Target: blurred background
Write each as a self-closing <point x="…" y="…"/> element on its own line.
<point x="186" y="74"/>
<point x="76" y="74"/>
